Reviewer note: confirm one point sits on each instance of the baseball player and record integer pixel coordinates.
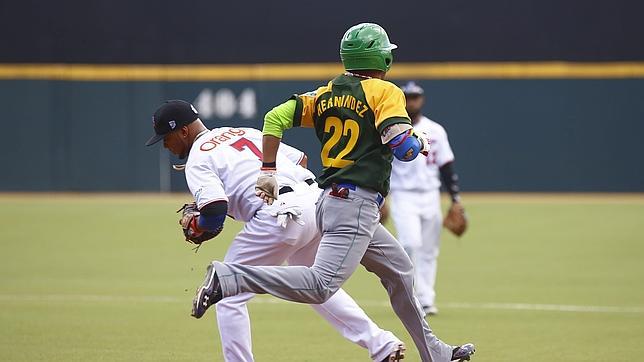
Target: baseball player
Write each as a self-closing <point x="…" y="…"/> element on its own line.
<point x="361" y="122"/>
<point x="221" y="169"/>
<point x="415" y="198"/>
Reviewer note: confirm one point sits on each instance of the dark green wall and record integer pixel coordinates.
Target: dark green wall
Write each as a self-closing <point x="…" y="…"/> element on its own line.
<point x="508" y="135"/>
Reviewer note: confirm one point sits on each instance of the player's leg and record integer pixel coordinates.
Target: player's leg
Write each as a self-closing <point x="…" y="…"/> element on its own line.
<point x="347" y="226"/>
<point x="256" y="244"/>
<point x="407" y="219"/>
<point x="427" y="253"/>
<point x="233" y="323"/>
<point x="344" y="314"/>
<point x="386" y="258"/>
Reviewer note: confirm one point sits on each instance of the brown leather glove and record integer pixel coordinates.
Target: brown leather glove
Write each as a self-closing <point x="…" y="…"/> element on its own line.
<point x="456" y="220"/>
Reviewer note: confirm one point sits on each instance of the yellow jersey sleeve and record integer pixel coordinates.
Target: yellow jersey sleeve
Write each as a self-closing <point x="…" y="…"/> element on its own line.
<point x="387" y="102"/>
<point x="305" y="107"/>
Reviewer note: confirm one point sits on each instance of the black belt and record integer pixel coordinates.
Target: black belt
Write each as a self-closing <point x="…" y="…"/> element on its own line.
<point x="285" y="189"/>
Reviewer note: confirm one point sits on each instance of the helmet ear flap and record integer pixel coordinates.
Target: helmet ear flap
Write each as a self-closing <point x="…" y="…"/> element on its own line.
<point x="388" y="59"/>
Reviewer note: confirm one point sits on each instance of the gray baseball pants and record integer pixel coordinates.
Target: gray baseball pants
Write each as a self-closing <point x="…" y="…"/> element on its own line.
<point x="351" y="235"/>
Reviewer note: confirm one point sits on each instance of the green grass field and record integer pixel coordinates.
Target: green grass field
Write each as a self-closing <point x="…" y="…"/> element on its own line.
<point x="108" y="278"/>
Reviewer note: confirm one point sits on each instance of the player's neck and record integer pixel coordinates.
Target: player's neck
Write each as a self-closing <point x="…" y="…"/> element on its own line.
<point x="366" y="74"/>
<point x="416" y="118"/>
<point x="195" y="130"/>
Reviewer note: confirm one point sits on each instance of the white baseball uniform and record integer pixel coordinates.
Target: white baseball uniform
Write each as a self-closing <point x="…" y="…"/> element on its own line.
<point x="415" y="208"/>
<point x="224" y="164"/>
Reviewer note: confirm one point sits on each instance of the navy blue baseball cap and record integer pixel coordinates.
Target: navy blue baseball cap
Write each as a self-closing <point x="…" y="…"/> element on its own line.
<point x="412" y="89"/>
<point x="171" y="115"/>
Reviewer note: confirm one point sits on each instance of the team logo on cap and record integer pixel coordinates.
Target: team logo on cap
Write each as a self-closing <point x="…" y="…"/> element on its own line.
<point x="172" y="124"/>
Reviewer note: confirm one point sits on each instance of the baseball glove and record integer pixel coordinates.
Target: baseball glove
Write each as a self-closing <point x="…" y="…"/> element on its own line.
<point x="188" y="222"/>
<point x="455" y="220"/>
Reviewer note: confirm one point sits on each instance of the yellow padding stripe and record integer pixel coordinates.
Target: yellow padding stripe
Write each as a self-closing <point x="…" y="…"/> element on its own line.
<point x="319" y="71"/>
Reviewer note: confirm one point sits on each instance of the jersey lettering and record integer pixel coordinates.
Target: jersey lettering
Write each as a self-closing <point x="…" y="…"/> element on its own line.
<point x="218" y="139"/>
<point x="344" y="101"/>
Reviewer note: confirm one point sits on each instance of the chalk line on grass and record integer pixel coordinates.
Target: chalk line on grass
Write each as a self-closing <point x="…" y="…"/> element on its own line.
<point x="88" y="298"/>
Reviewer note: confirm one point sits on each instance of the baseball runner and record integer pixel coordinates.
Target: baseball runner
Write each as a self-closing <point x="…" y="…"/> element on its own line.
<point x="221" y="169"/>
<point x="361" y="122"/>
<point x="415" y="199"/>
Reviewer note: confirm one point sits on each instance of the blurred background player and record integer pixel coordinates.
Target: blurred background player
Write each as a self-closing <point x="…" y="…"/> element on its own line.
<point x="221" y="169"/>
<point x="415" y="198"/>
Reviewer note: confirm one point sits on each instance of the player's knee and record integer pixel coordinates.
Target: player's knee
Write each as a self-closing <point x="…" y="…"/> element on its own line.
<point x="323" y="296"/>
<point x="400" y="279"/>
<point x="406" y="266"/>
<point x="324" y="293"/>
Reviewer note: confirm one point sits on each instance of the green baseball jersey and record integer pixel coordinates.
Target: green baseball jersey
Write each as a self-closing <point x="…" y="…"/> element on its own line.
<point x="349" y="115"/>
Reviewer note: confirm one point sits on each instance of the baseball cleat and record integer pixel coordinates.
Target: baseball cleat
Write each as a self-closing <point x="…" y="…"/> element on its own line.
<point x="463" y="353"/>
<point x="208" y="293"/>
<point x="397" y="354"/>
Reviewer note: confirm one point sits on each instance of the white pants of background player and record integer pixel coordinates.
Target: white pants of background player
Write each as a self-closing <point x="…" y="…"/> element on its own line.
<point x="418" y="220"/>
<point x="263" y="242"/>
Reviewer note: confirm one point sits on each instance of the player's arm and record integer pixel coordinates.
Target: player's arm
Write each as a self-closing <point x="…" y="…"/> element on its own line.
<point x="276" y="121"/>
<point x="449" y="179"/>
<point x="444" y="157"/>
<point x="212" y="216"/>
<point x="407" y="144"/>
<point x="295" y="112"/>
<point x="393" y="123"/>
<point x="211" y="203"/>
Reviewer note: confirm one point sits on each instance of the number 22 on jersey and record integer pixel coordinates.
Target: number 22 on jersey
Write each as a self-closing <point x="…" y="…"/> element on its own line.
<point x="338" y="129"/>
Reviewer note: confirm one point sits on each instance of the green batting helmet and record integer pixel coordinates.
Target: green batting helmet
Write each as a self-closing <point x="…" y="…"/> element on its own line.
<point x="366" y="46"/>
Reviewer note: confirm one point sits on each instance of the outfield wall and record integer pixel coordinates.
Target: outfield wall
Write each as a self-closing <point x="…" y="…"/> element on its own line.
<point x="548" y="133"/>
<point x="79" y="81"/>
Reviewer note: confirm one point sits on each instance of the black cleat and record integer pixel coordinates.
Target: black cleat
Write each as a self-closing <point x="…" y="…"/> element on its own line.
<point x="208" y="293"/>
<point x="397" y="354"/>
<point x="463" y="353"/>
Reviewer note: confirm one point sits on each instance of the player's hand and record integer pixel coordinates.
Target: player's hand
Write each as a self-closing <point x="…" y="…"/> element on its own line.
<point x="424" y="139"/>
<point x="266" y="187"/>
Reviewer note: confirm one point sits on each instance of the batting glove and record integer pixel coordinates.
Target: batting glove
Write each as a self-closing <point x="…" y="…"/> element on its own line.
<point x="284" y="214"/>
<point x="424" y="139"/>
<point x="266" y="187"/>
